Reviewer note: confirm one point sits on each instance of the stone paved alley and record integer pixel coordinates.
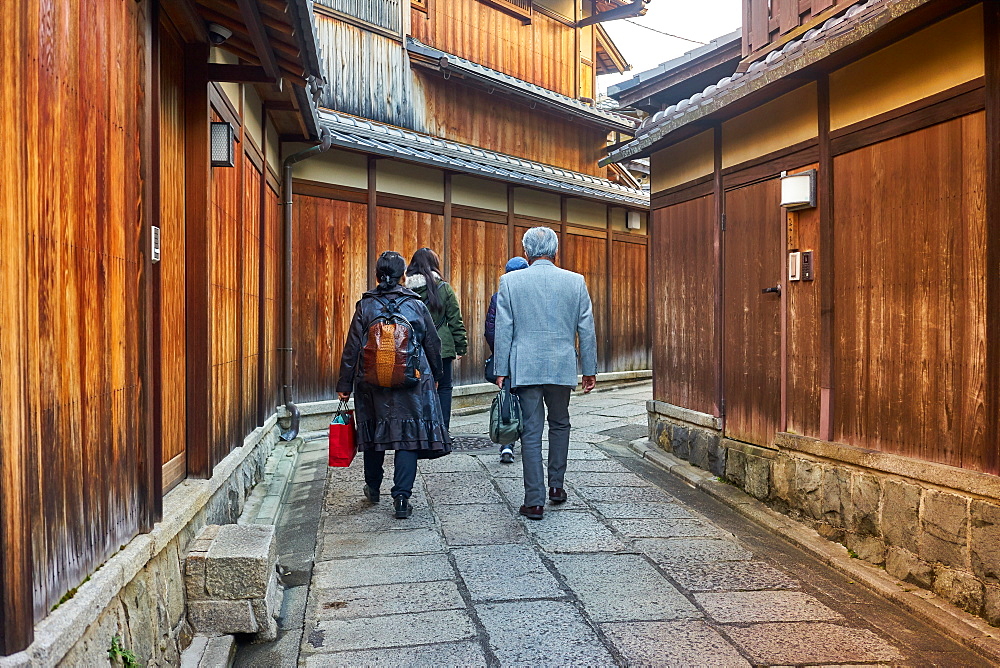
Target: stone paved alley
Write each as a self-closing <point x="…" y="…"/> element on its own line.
<point x="637" y="568"/>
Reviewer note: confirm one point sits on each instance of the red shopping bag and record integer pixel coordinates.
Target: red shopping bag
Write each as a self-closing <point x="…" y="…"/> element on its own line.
<point x="343" y="437"/>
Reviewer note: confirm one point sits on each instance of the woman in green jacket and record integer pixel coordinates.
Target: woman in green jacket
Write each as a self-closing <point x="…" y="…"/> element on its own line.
<point x="423" y="276"/>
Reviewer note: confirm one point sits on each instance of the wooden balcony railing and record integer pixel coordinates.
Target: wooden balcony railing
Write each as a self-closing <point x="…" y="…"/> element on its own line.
<point x="382" y="13"/>
<point x="519" y="8"/>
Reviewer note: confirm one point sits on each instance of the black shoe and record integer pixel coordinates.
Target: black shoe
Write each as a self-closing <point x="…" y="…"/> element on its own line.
<point x="371" y="494"/>
<point x="403" y="507"/>
<point x="557" y="495"/>
<point x="532" y="512"/>
<point x="506" y="456"/>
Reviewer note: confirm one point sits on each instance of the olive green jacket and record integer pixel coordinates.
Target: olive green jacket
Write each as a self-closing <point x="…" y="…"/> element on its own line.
<point x="450" y="326"/>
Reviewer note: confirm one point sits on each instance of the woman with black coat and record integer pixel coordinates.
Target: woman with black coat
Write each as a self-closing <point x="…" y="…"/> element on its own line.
<point x="407" y="419"/>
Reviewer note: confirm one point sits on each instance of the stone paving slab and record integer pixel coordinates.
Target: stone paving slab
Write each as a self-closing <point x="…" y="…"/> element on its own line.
<point x="622" y="587"/>
<point x="730" y="576"/>
<point x="642" y="510"/>
<point x="796" y="643"/>
<point x="623" y="494"/>
<point x="379" y="518"/>
<point x="340" y="573"/>
<point x="667" y="528"/>
<point x="379" y="600"/>
<point x="623" y="410"/>
<point x="390" y="631"/>
<point x="680" y="644"/>
<point x="481" y="524"/>
<point x="453" y="463"/>
<point x="604" y="465"/>
<point x="573" y="531"/>
<point x="513" y="490"/>
<point x="461" y="488"/>
<point x="505" y="573"/>
<point x="692" y="550"/>
<point x="410" y="541"/>
<point x="541" y="633"/>
<point x="741" y="607"/>
<point x="440" y="654"/>
<point x="587" y="479"/>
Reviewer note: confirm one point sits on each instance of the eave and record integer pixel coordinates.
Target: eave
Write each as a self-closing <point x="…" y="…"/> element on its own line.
<point x="609" y="58"/>
<point x="492" y="80"/>
<point x="862" y="29"/>
<point x="353" y="133"/>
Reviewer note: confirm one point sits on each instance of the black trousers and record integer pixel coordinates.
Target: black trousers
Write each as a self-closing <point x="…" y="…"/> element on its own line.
<point x="403" y="474"/>
<point x="444" y="391"/>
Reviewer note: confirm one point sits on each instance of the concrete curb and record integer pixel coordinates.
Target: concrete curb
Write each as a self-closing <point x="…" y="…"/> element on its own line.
<point x="965" y="628"/>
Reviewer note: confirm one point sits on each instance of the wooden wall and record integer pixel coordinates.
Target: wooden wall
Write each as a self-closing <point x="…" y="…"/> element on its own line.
<point x="70" y="220"/>
<point x="767" y="21"/>
<point x="543" y="52"/>
<point x="497" y="123"/>
<point x="682" y="283"/>
<point x="331" y="235"/>
<point x="911" y="314"/>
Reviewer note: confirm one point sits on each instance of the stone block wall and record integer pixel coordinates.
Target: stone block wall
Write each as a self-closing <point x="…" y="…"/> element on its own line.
<point x="943" y="539"/>
<point x="138" y="594"/>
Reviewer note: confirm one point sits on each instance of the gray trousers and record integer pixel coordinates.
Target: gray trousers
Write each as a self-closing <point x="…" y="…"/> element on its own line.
<point x="556" y="400"/>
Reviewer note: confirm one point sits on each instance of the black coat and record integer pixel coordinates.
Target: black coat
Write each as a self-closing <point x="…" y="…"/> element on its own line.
<point x="396" y="419"/>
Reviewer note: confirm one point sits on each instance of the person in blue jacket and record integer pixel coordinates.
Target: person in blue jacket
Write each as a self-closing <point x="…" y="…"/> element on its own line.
<point x="513" y="264"/>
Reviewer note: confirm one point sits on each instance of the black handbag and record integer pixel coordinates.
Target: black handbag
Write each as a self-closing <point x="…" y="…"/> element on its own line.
<point x="505" y="417"/>
<point x="488" y="371"/>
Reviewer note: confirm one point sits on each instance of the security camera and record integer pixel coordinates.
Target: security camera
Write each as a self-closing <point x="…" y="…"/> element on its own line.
<point x="218" y="34"/>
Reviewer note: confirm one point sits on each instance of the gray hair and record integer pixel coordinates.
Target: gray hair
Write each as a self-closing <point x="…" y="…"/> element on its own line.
<point x="540" y="242"/>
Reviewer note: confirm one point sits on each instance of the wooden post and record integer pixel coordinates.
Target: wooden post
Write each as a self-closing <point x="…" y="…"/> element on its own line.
<point x="239" y="232"/>
<point x="446" y="260"/>
<point x="718" y="246"/>
<point x="824" y="263"/>
<point x="608" y="291"/>
<point x="563" y="215"/>
<point x="262" y="403"/>
<point x="372" y="219"/>
<point x="991" y="21"/>
<point x="510" y="221"/>
<point x="150" y="460"/>
<point x="197" y="260"/>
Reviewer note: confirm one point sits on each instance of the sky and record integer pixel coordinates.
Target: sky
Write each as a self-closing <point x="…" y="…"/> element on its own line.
<point x="644" y="49"/>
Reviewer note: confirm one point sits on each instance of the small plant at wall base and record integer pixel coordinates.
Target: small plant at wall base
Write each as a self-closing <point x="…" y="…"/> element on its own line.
<point x="117" y="653"/>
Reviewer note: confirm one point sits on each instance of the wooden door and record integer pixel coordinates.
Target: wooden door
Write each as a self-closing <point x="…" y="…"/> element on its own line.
<point x="752" y="318"/>
<point x="171" y="285"/>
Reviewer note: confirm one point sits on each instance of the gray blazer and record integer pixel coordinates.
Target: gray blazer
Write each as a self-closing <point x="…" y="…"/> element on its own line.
<point x="541" y="311"/>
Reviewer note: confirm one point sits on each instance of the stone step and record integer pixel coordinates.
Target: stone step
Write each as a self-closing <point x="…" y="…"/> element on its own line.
<point x="209" y="651"/>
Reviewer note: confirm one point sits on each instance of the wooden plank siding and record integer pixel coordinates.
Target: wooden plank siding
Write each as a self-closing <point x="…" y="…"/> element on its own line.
<point x="69" y="354"/>
<point x="910" y="329"/>
<point x="498" y="123"/>
<point x="172" y="267"/>
<point x="542" y="52"/>
<point x="331" y="238"/>
<point x="629" y="286"/>
<point x="682" y="283"/>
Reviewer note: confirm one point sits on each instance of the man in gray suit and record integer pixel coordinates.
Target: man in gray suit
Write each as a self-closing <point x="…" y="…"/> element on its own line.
<point x="541" y="311"/>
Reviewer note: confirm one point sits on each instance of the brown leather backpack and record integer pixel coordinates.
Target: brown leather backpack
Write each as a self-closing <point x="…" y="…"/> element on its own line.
<point x="390" y="355"/>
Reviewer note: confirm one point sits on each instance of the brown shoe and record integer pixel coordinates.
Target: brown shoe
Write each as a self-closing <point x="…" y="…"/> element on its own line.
<point x="532" y="512"/>
<point x="557" y="495"/>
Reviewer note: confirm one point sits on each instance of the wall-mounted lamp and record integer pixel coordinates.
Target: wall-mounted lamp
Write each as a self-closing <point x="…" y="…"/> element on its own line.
<point x="633" y="221"/>
<point x="223" y="140"/>
<point x="798" y="191"/>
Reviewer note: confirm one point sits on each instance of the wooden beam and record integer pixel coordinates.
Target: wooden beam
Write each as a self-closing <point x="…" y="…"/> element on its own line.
<point x="262" y="403"/>
<point x="563" y="217"/>
<point x="188" y="20"/>
<point x="150" y="460"/>
<point x="824" y="269"/>
<point x="372" y="216"/>
<point x="197" y="260"/>
<point x="258" y="35"/>
<point x="991" y="23"/>
<point x="447" y="227"/>
<point x="629" y="11"/>
<point x="609" y="255"/>
<point x="238" y="73"/>
<point x="718" y="247"/>
<point x="510" y="221"/>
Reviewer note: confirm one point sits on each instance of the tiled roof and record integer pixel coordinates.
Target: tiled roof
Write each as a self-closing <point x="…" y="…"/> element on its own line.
<point x="674" y="64"/>
<point x="532" y="92"/>
<point x="814" y="45"/>
<point x="360" y="134"/>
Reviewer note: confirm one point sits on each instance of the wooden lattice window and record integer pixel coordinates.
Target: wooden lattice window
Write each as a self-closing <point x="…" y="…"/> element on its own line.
<point x="519" y="8"/>
<point x="382" y="13"/>
<point x="419" y="4"/>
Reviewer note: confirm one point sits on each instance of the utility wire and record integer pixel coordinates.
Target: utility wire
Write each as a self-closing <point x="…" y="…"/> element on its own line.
<point x="665" y="33"/>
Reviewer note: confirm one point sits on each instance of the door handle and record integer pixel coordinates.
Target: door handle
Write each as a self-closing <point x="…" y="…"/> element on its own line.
<point x="776" y="289"/>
